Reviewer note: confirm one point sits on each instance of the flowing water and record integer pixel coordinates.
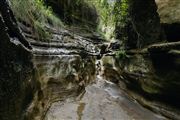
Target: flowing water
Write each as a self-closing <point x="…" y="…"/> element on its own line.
<point x="73" y="89"/>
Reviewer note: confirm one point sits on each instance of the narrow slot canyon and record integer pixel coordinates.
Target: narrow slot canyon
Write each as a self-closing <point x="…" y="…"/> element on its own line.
<point x="90" y="60"/>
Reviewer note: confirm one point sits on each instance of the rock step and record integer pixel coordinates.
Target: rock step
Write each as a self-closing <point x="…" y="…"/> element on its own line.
<point x="55" y="45"/>
<point x="164" y="47"/>
<point x="175" y="53"/>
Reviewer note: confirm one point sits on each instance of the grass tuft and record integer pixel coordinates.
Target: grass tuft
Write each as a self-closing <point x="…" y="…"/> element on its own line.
<point x="37" y="14"/>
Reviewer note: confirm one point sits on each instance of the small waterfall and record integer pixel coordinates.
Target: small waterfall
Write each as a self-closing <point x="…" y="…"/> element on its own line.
<point x="98" y="67"/>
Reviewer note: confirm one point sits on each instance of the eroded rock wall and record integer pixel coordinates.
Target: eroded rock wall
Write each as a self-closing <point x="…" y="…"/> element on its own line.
<point x="16" y="69"/>
<point x="60" y="78"/>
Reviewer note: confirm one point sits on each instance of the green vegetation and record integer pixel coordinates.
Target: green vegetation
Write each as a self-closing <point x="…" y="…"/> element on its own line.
<point x="35" y="13"/>
<point x="111" y="14"/>
<point x="121" y="54"/>
<point x="38" y="15"/>
<point x="121" y="12"/>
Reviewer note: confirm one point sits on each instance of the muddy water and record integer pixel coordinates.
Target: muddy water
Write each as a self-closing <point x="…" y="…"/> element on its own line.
<point x="70" y="90"/>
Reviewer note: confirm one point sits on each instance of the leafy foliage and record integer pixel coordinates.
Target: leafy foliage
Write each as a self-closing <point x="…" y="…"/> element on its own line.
<point x="111" y="13"/>
<point x="121" y="12"/>
<point x="35" y="13"/>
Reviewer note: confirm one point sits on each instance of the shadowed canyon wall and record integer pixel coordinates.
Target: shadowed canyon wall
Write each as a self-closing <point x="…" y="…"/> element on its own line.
<point x="170" y="19"/>
<point x="16" y="69"/>
<point x="145" y="22"/>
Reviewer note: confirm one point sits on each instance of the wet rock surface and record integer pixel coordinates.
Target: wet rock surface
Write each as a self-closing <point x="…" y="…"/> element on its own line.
<point x="104" y="99"/>
<point x="101" y="101"/>
<point x="60" y="77"/>
<point x="73" y="71"/>
<point x="64" y="41"/>
<point x="150" y="81"/>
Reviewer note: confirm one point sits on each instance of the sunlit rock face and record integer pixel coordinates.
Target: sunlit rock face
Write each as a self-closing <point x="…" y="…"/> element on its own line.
<point x="16" y="82"/>
<point x="169" y="10"/>
<point x="60" y="78"/>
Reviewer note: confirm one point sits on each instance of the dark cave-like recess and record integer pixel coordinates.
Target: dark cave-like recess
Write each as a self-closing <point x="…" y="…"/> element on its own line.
<point x="172" y="32"/>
